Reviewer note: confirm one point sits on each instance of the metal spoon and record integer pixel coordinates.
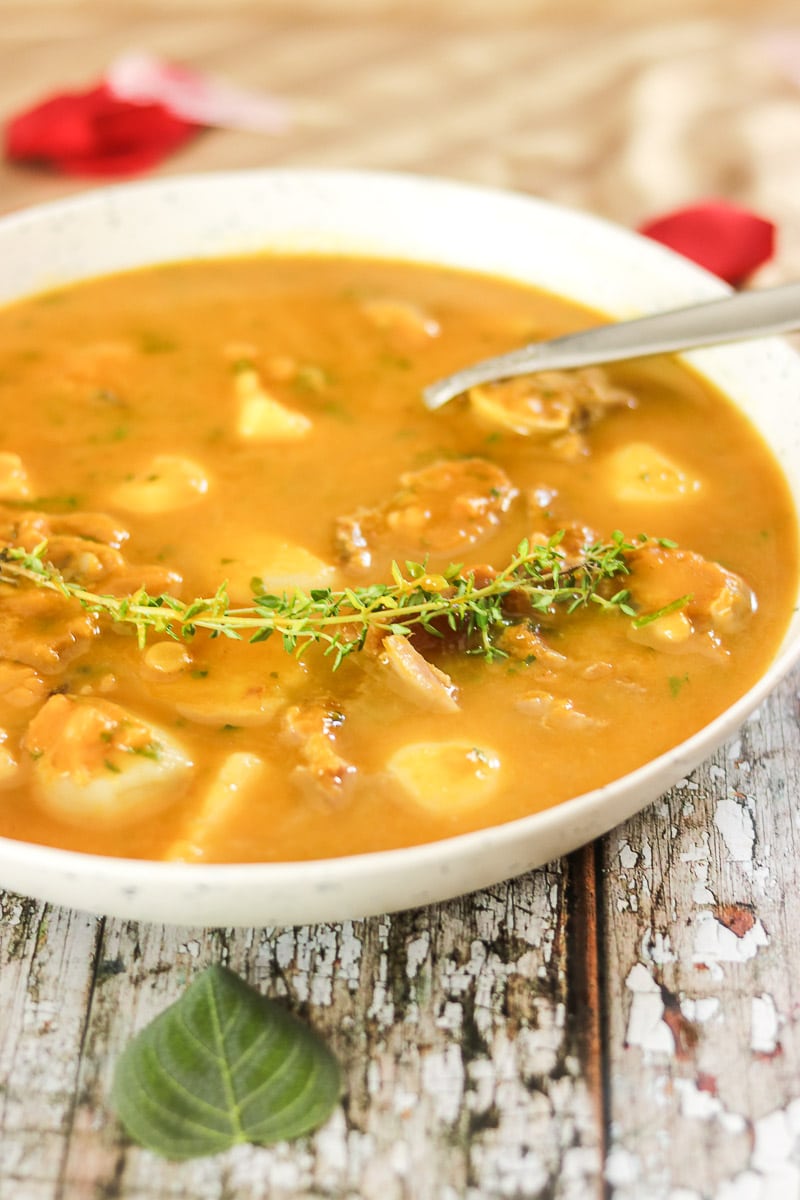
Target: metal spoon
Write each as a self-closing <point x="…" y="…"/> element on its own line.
<point x="744" y="315"/>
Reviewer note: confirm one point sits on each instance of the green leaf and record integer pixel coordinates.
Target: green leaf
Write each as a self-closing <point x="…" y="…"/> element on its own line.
<point x="222" y="1066"/>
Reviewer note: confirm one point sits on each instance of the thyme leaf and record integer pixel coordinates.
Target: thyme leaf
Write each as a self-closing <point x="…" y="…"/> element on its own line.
<point x="339" y="621"/>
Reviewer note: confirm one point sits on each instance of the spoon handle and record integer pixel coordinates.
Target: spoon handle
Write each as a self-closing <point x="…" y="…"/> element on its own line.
<point x="744" y="315"/>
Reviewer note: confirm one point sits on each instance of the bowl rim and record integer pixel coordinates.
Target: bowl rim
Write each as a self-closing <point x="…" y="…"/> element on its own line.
<point x="370" y="866"/>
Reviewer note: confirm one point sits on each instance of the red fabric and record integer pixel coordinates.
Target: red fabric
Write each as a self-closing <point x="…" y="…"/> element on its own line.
<point x="94" y="133"/>
<point x="730" y="241"/>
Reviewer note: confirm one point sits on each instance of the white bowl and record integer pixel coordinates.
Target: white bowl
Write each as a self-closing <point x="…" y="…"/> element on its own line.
<point x="429" y="221"/>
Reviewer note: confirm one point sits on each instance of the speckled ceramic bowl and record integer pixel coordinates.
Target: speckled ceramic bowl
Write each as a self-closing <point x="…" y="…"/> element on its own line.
<point x="420" y="220"/>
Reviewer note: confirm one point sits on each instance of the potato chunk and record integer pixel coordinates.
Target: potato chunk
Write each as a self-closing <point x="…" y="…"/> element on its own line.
<point x="261" y="417"/>
<point x="407" y="323"/>
<point x="222" y="683"/>
<point x="166" y="660"/>
<point x="284" y="566"/>
<point x="14" y="483"/>
<point x="228" y="792"/>
<point x="93" y="760"/>
<point x="168" y="483"/>
<point x="240" y="555"/>
<point x="641" y="474"/>
<point x="220" y="699"/>
<point x="446" y="777"/>
<point x="9" y="766"/>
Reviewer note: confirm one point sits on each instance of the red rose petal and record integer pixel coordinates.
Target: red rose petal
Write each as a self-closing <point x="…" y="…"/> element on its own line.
<point x="95" y="133"/>
<point x="730" y="241"/>
<point x="60" y="123"/>
<point x="194" y="95"/>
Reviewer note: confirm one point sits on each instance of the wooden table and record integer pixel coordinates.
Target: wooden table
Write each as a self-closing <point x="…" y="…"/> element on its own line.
<point x="622" y="1023"/>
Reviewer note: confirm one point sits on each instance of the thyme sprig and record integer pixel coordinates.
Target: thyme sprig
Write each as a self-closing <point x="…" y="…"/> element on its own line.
<point x="340" y="621"/>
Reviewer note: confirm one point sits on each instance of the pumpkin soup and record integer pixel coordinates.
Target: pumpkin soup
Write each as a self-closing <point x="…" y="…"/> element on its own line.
<point x="409" y="625"/>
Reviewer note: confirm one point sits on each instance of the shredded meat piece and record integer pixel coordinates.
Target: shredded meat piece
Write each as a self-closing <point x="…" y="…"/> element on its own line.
<point x="30" y="527"/>
<point x="94" y="527"/>
<point x="555" y="712"/>
<point x="84" y="562"/>
<point x="42" y="629"/>
<point x="573" y="546"/>
<point x="322" y="771"/>
<point x="547" y="519"/>
<point x="443" y="508"/>
<point x="86" y="548"/>
<point x="548" y="404"/>
<point x="524" y="642"/>
<point x="20" y="686"/>
<point x="412" y="676"/>
<point x="720" y="601"/>
<point x="154" y="578"/>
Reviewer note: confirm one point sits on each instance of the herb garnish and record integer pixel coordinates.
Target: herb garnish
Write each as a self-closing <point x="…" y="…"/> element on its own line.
<point x="222" y="1066"/>
<point x="340" y="621"/>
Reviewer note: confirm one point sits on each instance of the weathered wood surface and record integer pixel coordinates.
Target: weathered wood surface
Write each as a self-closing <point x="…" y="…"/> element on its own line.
<point x="623" y="1023"/>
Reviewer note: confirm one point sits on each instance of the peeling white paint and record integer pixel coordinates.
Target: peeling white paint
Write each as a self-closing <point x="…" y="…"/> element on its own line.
<point x="657" y="947"/>
<point x="763" y="1024"/>
<point x="703" y="1009"/>
<point x="285" y="948"/>
<point x="403" y="1102"/>
<point x="381" y="1007"/>
<point x="509" y="1171"/>
<point x="773" y="1172"/>
<point x="416" y="953"/>
<point x="628" y="858"/>
<point x="714" y="943"/>
<point x="775" y="1139"/>
<point x="745" y="1186"/>
<point x="481" y="1076"/>
<point x="646" y="1026"/>
<point x="331" y="1146"/>
<point x="699" y="1105"/>
<point x="735" y="824"/>
<point x="701" y="893"/>
<point x="350" y="950"/>
<point x="451" y="1017"/>
<point x="697" y="852"/>
<point x="622" y="1168"/>
<point x="762" y="877"/>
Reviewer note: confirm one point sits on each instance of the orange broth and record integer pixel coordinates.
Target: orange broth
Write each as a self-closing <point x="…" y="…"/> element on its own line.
<point x="102" y="380"/>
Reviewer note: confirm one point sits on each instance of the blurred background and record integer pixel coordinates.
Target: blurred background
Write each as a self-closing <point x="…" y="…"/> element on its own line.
<point x="627" y="109"/>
